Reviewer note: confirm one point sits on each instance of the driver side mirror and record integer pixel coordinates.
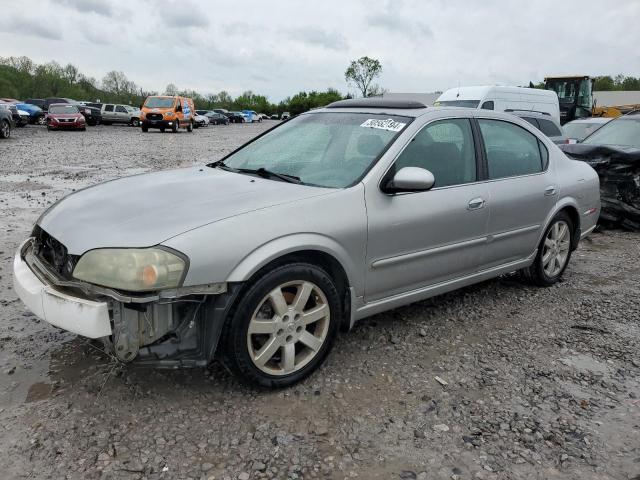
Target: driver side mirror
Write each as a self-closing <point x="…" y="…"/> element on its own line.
<point x="410" y="179"/>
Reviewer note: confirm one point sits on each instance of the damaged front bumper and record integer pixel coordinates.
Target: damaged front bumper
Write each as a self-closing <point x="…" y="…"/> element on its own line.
<point x="171" y="328"/>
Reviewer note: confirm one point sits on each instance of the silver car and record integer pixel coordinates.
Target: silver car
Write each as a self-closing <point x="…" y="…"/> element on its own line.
<point x="261" y="258"/>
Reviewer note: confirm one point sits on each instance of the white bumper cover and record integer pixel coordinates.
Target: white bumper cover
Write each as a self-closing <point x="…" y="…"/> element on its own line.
<point x="77" y="315"/>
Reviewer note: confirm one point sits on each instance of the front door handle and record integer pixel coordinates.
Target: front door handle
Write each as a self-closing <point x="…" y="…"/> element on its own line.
<point x="550" y="190"/>
<point x="476" y="203"/>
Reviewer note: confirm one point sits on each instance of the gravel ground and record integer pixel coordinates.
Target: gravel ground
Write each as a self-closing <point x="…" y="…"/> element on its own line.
<point x="540" y="383"/>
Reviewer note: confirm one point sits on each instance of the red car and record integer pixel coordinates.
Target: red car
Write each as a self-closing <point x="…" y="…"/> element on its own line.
<point x="64" y="116"/>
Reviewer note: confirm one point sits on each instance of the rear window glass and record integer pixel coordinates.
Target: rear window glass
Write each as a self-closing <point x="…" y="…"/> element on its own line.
<point x="548" y="128"/>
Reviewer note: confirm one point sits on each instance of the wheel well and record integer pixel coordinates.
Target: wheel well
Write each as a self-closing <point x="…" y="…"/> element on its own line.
<point x="328" y="263"/>
<point x="575" y="219"/>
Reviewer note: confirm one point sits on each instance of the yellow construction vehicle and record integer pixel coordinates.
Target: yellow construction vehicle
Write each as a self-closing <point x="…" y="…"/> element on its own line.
<point x="614" y="110"/>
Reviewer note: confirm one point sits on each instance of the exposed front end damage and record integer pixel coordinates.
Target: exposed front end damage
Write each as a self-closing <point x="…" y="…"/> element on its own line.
<point x="171" y="328"/>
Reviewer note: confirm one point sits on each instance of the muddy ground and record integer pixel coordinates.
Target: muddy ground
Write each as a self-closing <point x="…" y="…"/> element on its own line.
<point x="540" y="383"/>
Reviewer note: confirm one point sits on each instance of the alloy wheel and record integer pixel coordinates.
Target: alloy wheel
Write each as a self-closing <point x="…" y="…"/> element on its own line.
<point x="288" y="328"/>
<point x="6" y="129"/>
<point x="556" y="248"/>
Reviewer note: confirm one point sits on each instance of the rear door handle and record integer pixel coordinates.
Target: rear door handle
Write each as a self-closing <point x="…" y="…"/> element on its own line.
<point x="550" y="190"/>
<point x="476" y="203"/>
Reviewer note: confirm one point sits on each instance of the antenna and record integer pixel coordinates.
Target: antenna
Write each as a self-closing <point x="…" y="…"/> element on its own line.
<point x="458" y="94"/>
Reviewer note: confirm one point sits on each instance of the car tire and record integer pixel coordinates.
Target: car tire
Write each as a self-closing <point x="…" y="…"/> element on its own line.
<point x="175" y="127"/>
<point x="41" y="121"/>
<point x="5" y="129"/>
<point x="145" y="129"/>
<point x="83" y="129"/>
<point x="294" y="348"/>
<point x="554" y="252"/>
<point x="190" y="127"/>
<point x="162" y="130"/>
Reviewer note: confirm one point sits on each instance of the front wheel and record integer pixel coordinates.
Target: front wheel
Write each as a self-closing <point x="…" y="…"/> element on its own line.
<point x="175" y="126"/>
<point x="41" y="121"/>
<point x="190" y="127"/>
<point x="135" y="122"/>
<point x="284" y="326"/>
<point x="5" y="129"/>
<point x="554" y="252"/>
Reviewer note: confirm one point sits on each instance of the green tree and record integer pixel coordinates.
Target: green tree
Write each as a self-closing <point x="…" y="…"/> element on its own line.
<point x="362" y="72"/>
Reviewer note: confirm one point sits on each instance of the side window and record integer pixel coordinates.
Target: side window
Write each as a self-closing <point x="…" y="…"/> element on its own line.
<point x="446" y="149"/>
<point x="549" y="128"/>
<point x="510" y="149"/>
<point x="120" y="109"/>
<point x="108" y="108"/>
<point x="488" y="105"/>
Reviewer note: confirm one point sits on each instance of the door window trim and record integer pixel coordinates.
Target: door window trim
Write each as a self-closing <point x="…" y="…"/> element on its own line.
<point x="541" y="145"/>
<point x="383" y="178"/>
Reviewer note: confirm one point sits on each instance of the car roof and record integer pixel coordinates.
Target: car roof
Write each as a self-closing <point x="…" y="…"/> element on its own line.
<point x="591" y="120"/>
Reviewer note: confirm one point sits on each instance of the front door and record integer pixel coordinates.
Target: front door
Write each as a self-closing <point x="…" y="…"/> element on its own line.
<point x="523" y="190"/>
<point x="424" y="238"/>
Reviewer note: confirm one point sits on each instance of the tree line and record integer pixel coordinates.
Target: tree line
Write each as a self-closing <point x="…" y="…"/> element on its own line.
<point x="22" y="78"/>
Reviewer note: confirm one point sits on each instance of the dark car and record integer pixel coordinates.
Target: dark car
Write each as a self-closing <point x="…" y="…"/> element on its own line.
<point x="18" y="120"/>
<point x="65" y="116"/>
<point x="6" y="121"/>
<point x="236" y="117"/>
<point x="36" y="115"/>
<point x="217" y="118"/>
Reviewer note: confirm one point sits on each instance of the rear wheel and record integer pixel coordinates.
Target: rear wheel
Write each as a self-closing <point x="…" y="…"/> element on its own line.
<point x="162" y="130"/>
<point x="190" y="127"/>
<point x="41" y="120"/>
<point x="5" y="129"/>
<point x="554" y="252"/>
<point x="145" y="129"/>
<point x="175" y="126"/>
<point x="284" y="326"/>
<point x="135" y="122"/>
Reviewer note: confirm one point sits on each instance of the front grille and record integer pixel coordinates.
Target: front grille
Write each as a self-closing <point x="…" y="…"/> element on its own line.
<point x="154" y="116"/>
<point x="53" y="253"/>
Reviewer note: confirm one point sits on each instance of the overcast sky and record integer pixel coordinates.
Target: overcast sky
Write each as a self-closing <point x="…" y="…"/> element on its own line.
<point x="280" y="47"/>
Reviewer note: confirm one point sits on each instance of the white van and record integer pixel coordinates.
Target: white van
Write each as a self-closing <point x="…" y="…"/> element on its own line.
<point x="504" y="99"/>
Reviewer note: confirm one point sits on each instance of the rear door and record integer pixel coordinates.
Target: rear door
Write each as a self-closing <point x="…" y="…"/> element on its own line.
<point x="121" y="114"/>
<point x="108" y="113"/>
<point x="418" y="239"/>
<point x="522" y="189"/>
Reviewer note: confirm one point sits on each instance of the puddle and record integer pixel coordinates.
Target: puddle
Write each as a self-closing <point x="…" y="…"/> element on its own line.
<point x="585" y="363"/>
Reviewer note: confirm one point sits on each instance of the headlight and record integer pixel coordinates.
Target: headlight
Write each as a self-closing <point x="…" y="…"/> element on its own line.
<point x="168" y="114"/>
<point x="132" y="269"/>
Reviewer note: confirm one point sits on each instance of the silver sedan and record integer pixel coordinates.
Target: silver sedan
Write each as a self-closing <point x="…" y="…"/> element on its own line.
<point x="261" y="258"/>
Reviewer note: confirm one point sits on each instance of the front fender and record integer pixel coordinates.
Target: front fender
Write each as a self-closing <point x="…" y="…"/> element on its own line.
<point x="297" y="242"/>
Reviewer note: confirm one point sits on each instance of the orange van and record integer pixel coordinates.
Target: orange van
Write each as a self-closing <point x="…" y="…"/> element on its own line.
<point x="167" y="112"/>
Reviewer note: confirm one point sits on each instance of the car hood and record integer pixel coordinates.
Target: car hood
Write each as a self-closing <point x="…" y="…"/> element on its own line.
<point x="145" y="210"/>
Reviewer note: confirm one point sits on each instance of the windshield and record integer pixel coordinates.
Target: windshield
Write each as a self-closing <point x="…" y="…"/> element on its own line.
<point x="624" y="132"/>
<point x="159" y="102"/>
<point x="458" y="103"/>
<point x="323" y="149"/>
<point x="572" y="91"/>
<point x="63" y="109"/>
<point x="580" y="130"/>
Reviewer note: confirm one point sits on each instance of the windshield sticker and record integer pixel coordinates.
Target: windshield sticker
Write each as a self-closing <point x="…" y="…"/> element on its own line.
<point x="388" y="124"/>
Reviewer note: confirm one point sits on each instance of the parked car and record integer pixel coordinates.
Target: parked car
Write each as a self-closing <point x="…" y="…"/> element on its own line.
<point x="217" y="118"/>
<point x="274" y="116"/>
<point x="6" y="122"/>
<point x="18" y="121"/>
<point x="502" y="99"/>
<point x="577" y="130"/>
<point x="200" y="120"/>
<point x="65" y="116"/>
<point x="114" y="113"/>
<point x="36" y="115"/>
<point x="235" y="264"/>
<point x="167" y="112"/>
<point x="543" y="122"/>
<point x="92" y="115"/>
<point x="251" y="116"/>
<point x="23" y="118"/>
<point x="237" y="117"/>
<point x="285" y="116"/>
<point x="9" y="100"/>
